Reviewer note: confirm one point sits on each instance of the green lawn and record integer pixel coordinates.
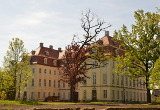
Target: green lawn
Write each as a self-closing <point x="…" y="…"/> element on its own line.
<point x="9" y="102"/>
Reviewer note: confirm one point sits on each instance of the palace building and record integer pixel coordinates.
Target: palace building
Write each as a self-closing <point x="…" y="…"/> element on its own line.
<point x="104" y="84"/>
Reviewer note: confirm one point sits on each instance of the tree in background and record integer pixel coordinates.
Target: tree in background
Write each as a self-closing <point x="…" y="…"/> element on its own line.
<point x="4" y="83"/>
<point x="16" y="66"/>
<point x="142" y="47"/>
<point x="74" y="59"/>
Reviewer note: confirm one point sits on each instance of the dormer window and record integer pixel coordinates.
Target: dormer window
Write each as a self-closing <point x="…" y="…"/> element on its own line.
<point x="116" y="51"/>
<point x="54" y="62"/>
<point x="45" y="60"/>
<point x="47" y="53"/>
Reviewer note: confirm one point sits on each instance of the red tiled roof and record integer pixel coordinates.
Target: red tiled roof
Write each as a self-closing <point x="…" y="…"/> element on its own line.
<point x="43" y="52"/>
<point x="52" y="55"/>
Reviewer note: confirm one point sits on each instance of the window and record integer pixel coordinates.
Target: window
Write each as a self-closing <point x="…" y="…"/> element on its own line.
<point x="95" y="64"/>
<point x="104" y="78"/>
<point x="44" y="82"/>
<point x="126" y="95"/>
<point x="49" y="83"/>
<point x="54" y="62"/>
<point x="122" y="80"/>
<point x="105" y="63"/>
<point x="137" y="82"/>
<point x="141" y="97"/>
<point x="63" y="95"/>
<point x="39" y="95"/>
<point x="32" y="95"/>
<point x="46" y="53"/>
<point x="33" y="70"/>
<point x="49" y="93"/>
<point x="137" y="96"/>
<point x="45" y="60"/>
<point x="54" y="94"/>
<point x="63" y="84"/>
<point x="140" y="83"/>
<point x="85" y="81"/>
<point x="130" y="96"/>
<point x="50" y="71"/>
<point x="116" y="52"/>
<point x="112" y="78"/>
<point x="40" y="70"/>
<point x="117" y="79"/>
<point x="94" y="79"/>
<point x="134" y="96"/>
<point x="59" y="95"/>
<point x="84" y="94"/>
<point x="54" y="83"/>
<point x="44" y="94"/>
<point x="54" y="72"/>
<point x="45" y="71"/>
<point x="117" y="94"/>
<point x="113" y="94"/>
<point x="32" y="82"/>
<point x="105" y="94"/>
<point x="58" y="83"/>
<point x="130" y="82"/>
<point x="68" y="94"/>
<point x="59" y="72"/>
<point x="144" y="85"/>
<point x="113" y="64"/>
<point x="134" y="83"/>
<point x="122" y="95"/>
<point x="39" y="82"/>
<point x="126" y="81"/>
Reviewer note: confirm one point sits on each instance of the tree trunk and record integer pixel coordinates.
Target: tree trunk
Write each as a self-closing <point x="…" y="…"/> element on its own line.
<point x="72" y="93"/>
<point x="148" y="90"/>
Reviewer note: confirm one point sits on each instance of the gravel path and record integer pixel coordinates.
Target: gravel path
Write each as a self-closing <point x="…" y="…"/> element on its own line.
<point x="82" y="106"/>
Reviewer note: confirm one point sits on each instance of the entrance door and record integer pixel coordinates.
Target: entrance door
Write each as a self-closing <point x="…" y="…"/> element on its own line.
<point x="76" y="97"/>
<point x="25" y="96"/>
<point x="94" y="95"/>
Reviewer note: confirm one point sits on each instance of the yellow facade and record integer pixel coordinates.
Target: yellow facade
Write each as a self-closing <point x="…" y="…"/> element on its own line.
<point x="105" y="85"/>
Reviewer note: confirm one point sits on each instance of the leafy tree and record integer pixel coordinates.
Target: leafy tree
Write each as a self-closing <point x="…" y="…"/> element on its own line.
<point x="16" y="66"/>
<point x="142" y="47"/>
<point x="74" y="59"/>
<point x="4" y="81"/>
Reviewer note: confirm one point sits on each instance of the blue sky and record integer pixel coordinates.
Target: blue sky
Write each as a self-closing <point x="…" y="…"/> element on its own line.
<point x="54" y="22"/>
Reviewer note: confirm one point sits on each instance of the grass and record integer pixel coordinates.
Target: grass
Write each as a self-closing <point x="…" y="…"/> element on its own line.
<point x="57" y="103"/>
<point x="9" y="102"/>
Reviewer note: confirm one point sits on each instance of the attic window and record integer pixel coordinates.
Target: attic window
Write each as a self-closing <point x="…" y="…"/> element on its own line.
<point x="46" y="53"/>
<point x="54" y="62"/>
<point x="45" y="60"/>
<point x="117" y="52"/>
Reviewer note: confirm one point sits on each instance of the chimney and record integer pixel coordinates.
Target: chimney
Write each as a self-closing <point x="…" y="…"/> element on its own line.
<point x="33" y="52"/>
<point x="41" y="44"/>
<point x="106" y="33"/>
<point x="59" y="49"/>
<point x="51" y="46"/>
